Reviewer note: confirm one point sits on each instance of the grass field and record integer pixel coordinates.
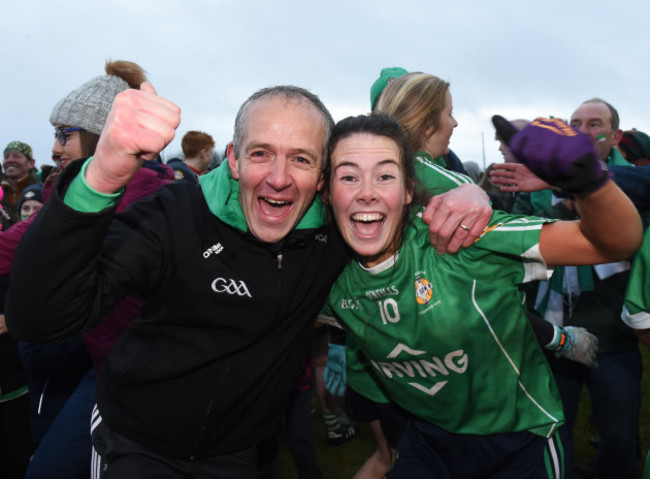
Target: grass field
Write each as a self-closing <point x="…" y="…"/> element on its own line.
<point x="341" y="462"/>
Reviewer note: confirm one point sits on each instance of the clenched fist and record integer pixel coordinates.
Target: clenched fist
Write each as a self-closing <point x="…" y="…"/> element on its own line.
<point x="139" y="125"/>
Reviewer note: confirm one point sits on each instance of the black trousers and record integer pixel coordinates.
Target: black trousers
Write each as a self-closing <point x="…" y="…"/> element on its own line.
<point x="117" y="457"/>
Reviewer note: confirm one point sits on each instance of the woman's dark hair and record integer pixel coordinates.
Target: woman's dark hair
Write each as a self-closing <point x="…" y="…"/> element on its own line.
<point x="379" y="124"/>
<point x="374" y="124"/>
<point x="88" y="142"/>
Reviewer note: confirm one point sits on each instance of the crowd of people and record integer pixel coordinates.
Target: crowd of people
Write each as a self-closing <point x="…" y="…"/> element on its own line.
<point x="182" y="312"/>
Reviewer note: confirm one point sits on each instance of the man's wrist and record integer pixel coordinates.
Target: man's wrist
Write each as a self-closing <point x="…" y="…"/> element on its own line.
<point x="81" y="197"/>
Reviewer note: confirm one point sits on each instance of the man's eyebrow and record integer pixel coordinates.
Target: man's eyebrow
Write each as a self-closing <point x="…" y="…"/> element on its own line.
<point x="267" y="146"/>
<point x="253" y="146"/>
<point x="588" y="120"/>
<point x="305" y="151"/>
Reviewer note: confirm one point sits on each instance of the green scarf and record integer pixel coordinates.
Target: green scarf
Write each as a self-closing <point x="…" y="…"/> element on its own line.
<point x="615" y="158"/>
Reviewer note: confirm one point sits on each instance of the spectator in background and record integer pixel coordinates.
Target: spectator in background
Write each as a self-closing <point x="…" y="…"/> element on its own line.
<point x="504" y="200"/>
<point x="45" y="171"/>
<point x="30" y="201"/>
<point x="54" y="370"/>
<point x="18" y="165"/>
<point x="78" y="119"/>
<point x="388" y="75"/>
<point x="534" y="194"/>
<point x="473" y="171"/>
<point x="592" y="297"/>
<point x="635" y="147"/>
<point x="500" y="200"/>
<point x="636" y="309"/>
<point x="412" y="100"/>
<point x="197" y="150"/>
<point x="15" y="444"/>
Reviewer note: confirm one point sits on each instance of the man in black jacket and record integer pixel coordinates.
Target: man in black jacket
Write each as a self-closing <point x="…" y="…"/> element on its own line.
<point x="233" y="273"/>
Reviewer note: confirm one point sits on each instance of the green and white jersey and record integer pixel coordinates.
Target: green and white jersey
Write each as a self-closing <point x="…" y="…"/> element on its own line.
<point x="636" y="309"/>
<point x="359" y="374"/>
<point x="447" y="335"/>
<point x="435" y="179"/>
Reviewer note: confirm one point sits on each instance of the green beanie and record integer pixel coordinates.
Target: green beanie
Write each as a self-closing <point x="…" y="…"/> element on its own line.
<point x="387" y="75"/>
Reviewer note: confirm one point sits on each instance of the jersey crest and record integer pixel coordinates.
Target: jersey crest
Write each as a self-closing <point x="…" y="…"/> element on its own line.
<point x="423" y="290"/>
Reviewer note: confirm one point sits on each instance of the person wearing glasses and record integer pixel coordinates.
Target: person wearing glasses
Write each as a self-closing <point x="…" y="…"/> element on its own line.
<point x="68" y="142"/>
<point x="78" y="118"/>
<point x="19" y="173"/>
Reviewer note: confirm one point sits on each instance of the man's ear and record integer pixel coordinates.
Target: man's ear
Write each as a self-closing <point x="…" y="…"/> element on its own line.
<point x="617" y="136"/>
<point x="325" y="196"/>
<point x="232" y="161"/>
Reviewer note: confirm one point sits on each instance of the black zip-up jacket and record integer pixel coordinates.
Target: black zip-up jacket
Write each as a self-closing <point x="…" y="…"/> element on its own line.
<point x="209" y="365"/>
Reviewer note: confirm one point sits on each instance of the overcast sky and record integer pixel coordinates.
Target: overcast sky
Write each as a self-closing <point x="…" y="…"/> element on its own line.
<point x="516" y="58"/>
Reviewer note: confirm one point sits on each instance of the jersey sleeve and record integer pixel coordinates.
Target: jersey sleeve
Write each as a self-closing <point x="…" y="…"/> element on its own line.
<point x="515" y="240"/>
<point x="435" y="179"/>
<point x="636" y="308"/>
<point x="327" y="315"/>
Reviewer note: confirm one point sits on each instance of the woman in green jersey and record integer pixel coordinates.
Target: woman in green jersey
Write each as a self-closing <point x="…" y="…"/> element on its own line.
<point x="446" y="336"/>
<point x="418" y="102"/>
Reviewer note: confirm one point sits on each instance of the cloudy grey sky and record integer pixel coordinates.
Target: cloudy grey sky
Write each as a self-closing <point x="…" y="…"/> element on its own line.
<point x="517" y="58"/>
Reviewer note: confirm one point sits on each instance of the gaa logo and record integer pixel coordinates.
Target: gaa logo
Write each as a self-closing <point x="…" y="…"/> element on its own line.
<point x="230" y="286"/>
<point x="423" y="290"/>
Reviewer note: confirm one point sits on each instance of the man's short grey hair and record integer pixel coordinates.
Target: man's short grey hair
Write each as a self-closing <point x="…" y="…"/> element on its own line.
<point x="289" y="93"/>
<point x="616" y="120"/>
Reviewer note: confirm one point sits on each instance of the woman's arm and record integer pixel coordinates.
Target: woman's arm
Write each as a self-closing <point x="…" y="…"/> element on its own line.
<point x="609" y="230"/>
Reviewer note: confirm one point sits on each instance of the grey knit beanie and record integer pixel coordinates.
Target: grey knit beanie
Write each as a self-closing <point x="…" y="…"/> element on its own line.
<point x="87" y="107"/>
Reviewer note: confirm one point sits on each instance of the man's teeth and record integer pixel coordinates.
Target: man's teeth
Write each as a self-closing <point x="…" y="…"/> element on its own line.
<point x="367" y="217"/>
<point x="276" y="202"/>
